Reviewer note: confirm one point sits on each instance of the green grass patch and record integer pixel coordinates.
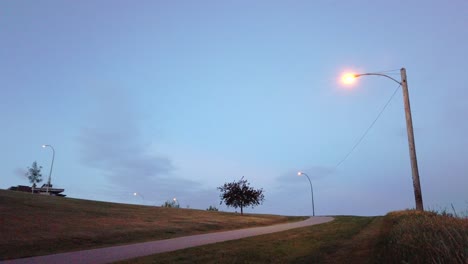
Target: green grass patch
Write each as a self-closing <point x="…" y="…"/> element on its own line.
<point x="33" y="224"/>
<point x="399" y="237"/>
<point x="315" y="244"/>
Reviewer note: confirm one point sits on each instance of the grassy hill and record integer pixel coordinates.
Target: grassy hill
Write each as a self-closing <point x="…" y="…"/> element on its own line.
<point x="399" y="237"/>
<point x="39" y="225"/>
<point x="33" y="224"/>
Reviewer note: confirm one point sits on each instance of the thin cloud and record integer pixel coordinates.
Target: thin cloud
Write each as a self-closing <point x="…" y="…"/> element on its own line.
<point x="121" y="158"/>
<point x="20" y="173"/>
<point x="112" y="142"/>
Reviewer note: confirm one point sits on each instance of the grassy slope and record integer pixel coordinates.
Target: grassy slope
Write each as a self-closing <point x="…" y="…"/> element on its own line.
<point x="344" y="240"/>
<point x="37" y="225"/>
<point x="399" y="237"/>
<point x="423" y="237"/>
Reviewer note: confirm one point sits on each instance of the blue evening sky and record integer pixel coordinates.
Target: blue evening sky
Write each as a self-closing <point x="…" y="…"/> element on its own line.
<point x="174" y="98"/>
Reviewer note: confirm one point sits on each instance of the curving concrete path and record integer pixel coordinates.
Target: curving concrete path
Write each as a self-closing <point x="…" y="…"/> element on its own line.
<point x="116" y="253"/>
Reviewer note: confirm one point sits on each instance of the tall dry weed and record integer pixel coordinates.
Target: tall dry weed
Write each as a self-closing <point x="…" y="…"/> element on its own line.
<point x="424" y="237"/>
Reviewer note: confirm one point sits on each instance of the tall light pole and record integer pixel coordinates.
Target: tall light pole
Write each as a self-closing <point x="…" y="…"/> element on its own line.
<point x="311" y="190"/>
<point x="409" y="128"/>
<point x="51" y="166"/>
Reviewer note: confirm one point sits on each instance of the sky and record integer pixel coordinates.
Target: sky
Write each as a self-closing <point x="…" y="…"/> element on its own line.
<point x="174" y="98"/>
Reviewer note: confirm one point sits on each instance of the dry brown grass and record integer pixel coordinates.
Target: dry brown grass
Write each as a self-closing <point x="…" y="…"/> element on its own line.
<point x="32" y="224"/>
<point x="424" y="237"/>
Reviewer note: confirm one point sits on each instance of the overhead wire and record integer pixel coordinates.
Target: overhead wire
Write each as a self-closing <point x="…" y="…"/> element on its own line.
<point x="394" y="71"/>
<point x="368" y="129"/>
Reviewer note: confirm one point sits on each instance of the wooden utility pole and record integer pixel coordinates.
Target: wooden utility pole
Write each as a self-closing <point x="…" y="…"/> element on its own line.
<point x="412" y="147"/>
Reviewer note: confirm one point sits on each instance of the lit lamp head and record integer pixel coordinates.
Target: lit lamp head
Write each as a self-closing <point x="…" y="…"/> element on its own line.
<point x="299" y="173"/>
<point x="349" y="78"/>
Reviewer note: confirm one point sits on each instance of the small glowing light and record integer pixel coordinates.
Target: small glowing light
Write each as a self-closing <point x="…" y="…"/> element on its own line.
<point x="348" y="78"/>
<point x="135" y="194"/>
<point x="299" y="173"/>
<point x="174" y="199"/>
<point x="43" y="146"/>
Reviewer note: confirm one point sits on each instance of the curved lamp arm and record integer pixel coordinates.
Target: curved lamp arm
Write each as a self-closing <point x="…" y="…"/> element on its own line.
<point x="51" y="166"/>
<point x="378" y="74"/>
<point x="311" y="190"/>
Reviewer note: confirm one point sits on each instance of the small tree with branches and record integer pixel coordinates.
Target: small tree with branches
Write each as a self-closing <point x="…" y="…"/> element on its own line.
<point x="240" y="194"/>
<point x="170" y="204"/>
<point x="34" y="175"/>
<point x="212" y="208"/>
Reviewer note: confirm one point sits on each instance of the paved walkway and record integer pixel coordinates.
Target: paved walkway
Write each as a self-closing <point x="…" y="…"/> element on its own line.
<point x="116" y="253"/>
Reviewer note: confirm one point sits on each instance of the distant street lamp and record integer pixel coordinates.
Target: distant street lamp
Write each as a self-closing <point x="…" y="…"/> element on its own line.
<point x="51" y="166"/>
<point x="311" y="190"/>
<point x="139" y="194"/>
<point x="176" y="201"/>
<point x="349" y="78"/>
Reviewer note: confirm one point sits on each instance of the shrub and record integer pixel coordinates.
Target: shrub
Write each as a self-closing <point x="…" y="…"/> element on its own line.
<point x="170" y="204"/>
<point x="212" y="208"/>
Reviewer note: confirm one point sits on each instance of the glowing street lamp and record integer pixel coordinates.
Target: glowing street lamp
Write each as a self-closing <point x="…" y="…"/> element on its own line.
<point x="51" y="166"/>
<point x="349" y="78"/>
<point x="176" y="201"/>
<point x="311" y="190"/>
<point x="138" y="194"/>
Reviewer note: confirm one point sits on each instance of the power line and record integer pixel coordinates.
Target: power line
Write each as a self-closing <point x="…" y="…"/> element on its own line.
<point x="394" y="71"/>
<point x="368" y="129"/>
